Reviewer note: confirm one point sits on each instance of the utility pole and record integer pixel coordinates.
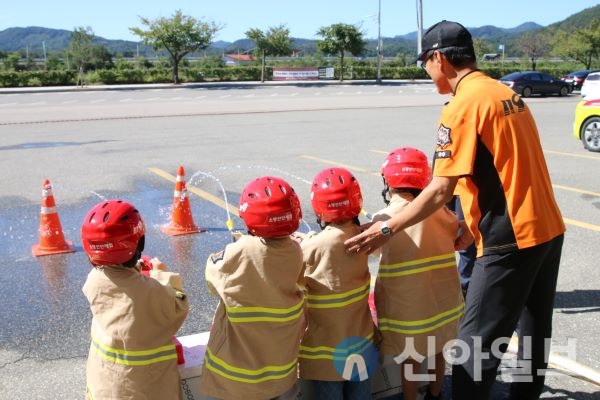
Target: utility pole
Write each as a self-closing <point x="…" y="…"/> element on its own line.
<point x="419" y="25"/>
<point x="45" y="59"/>
<point x="379" y="44"/>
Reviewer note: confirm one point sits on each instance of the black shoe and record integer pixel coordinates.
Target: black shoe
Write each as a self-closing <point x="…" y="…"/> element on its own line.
<point x="429" y="396"/>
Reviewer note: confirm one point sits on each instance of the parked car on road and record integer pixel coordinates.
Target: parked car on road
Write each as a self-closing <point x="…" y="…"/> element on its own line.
<point x="591" y="86"/>
<point x="532" y="82"/>
<point x="576" y="78"/>
<point x="586" y="126"/>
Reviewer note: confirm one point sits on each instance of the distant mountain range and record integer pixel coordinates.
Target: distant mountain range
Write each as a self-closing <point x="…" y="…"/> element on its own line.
<point x="34" y="40"/>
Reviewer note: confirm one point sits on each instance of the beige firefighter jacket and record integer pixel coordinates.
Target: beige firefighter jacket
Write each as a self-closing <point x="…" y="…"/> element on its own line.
<point x="134" y="319"/>
<point x="338" y="286"/>
<point x="252" y="352"/>
<point x="417" y="290"/>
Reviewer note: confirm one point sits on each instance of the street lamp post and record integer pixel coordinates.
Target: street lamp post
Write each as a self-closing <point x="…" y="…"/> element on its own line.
<point x="45" y="58"/>
<point x="379" y="44"/>
<point x="419" y="25"/>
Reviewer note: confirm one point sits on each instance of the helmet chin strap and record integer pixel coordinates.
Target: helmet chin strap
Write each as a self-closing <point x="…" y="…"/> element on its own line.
<point x="137" y="255"/>
<point x="385" y="192"/>
<point x="321" y="224"/>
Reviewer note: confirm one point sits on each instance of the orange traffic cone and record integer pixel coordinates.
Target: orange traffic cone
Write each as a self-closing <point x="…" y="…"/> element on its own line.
<point x="182" y="221"/>
<point x="52" y="240"/>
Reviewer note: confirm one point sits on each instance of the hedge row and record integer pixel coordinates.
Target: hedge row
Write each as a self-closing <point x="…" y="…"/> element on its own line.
<point x="209" y="74"/>
<point x="37" y="78"/>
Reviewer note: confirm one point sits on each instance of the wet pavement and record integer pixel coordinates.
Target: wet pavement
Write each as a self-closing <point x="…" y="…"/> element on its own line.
<point x="46" y="319"/>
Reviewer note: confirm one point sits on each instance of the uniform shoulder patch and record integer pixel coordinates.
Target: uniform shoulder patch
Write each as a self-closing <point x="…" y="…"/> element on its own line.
<point x="216" y="257"/>
<point x="443" y="136"/>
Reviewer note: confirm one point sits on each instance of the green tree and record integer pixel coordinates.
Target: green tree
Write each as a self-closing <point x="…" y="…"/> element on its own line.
<point x="339" y="39"/>
<point x="179" y="35"/>
<point x="274" y="42"/>
<point x="581" y="45"/>
<point x="53" y="63"/>
<point x="534" y="46"/>
<point x="100" y="58"/>
<point x="481" y="47"/>
<point x="80" y="49"/>
<point x="11" y="62"/>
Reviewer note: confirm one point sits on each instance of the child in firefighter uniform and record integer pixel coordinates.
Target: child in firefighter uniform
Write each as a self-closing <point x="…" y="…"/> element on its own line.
<point x="338" y="286"/>
<point x="252" y="352"/>
<point x="132" y="355"/>
<point x="417" y="290"/>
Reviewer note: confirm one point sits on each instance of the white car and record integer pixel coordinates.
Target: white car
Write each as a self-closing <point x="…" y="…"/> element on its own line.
<point x="591" y="86"/>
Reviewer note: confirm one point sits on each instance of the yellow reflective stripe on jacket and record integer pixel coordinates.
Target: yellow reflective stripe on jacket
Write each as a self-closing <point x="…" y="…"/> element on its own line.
<point x="424" y="325"/>
<point x="338" y="299"/>
<point x="326" y="352"/>
<point x="134" y="357"/>
<point x="417" y="266"/>
<point x="228" y="371"/>
<point x="264" y="314"/>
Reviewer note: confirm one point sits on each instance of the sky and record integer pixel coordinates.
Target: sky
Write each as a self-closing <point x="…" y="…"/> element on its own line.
<point x="112" y="19"/>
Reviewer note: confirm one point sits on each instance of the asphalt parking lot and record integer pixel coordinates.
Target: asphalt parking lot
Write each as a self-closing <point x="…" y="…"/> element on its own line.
<point x="100" y="144"/>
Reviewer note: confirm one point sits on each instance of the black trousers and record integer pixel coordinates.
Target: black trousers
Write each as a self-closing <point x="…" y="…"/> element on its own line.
<point x="507" y="290"/>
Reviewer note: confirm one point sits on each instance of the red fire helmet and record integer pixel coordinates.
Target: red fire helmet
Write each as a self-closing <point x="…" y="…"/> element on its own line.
<point x="111" y="231"/>
<point x="270" y="207"/>
<point x="406" y="167"/>
<point x="336" y="195"/>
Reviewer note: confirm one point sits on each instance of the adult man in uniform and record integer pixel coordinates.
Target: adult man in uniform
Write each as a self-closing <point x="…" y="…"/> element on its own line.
<point x="488" y="152"/>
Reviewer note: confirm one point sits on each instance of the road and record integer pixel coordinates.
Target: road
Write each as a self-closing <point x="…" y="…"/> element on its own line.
<point x="95" y="145"/>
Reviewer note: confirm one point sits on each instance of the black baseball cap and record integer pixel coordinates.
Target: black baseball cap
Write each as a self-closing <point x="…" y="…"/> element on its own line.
<point x="444" y="34"/>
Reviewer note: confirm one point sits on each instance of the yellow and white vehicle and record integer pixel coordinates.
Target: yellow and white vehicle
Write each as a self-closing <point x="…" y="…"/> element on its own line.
<point x="586" y="126"/>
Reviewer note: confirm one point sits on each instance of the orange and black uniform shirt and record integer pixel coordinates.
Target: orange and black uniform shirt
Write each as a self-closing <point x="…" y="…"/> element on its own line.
<point x="487" y="136"/>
